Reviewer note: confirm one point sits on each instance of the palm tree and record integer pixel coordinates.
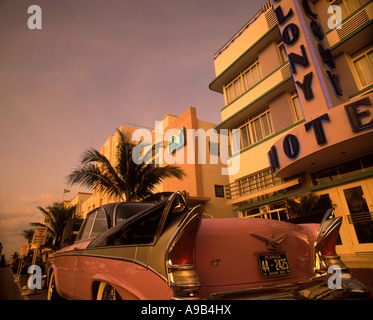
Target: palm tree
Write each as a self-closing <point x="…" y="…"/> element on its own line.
<point x="128" y="179"/>
<point x="304" y="205"/>
<point x="28" y="234"/>
<point x="57" y="215"/>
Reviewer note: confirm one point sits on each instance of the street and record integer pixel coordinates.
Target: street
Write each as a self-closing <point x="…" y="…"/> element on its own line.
<point x="9" y="290"/>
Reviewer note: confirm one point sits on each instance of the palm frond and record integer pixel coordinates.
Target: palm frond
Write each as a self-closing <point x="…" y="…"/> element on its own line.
<point x="92" y="176"/>
<point x="57" y="214"/>
<point x="128" y="176"/>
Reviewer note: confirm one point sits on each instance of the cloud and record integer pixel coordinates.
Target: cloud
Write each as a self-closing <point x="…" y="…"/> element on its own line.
<point x="16" y="214"/>
<point x="12" y="223"/>
<point x="48" y="198"/>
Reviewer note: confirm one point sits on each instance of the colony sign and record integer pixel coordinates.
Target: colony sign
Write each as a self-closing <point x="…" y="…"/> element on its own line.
<point x="293" y="26"/>
<point x="312" y="67"/>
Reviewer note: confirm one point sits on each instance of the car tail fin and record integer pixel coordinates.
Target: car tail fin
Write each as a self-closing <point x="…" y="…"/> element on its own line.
<point x="326" y="256"/>
<point x="182" y="274"/>
<point x="326" y="240"/>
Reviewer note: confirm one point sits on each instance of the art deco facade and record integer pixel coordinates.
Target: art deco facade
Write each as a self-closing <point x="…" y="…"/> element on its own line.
<point x="298" y="107"/>
<point x="203" y="183"/>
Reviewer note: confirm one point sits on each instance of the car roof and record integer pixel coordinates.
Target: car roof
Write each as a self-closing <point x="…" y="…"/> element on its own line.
<point x="112" y="209"/>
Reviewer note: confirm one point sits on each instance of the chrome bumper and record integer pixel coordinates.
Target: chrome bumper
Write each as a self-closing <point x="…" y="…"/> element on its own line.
<point x="315" y="288"/>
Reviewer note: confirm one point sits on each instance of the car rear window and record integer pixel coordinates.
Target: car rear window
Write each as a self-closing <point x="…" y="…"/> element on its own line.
<point x="139" y="227"/>
<point x="127" y="210"/>
<point x="139" y="231"/>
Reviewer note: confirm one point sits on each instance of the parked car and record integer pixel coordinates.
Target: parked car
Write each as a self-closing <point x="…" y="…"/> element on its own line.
<point x="167" y="251"/>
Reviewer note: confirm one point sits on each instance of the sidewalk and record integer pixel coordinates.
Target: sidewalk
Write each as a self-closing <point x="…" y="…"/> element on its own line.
<point x="40" y="294"/>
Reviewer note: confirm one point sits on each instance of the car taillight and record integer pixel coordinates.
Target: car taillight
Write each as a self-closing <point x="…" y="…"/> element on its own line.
<point x="181" y="268"/>
<point x="183" y="250"/>
<point x="327" y="247"/>
<point x="326" y="256"/>
<point x="326" y="241"/>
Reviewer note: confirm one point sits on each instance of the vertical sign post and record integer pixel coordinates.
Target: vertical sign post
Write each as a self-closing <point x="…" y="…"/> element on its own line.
<point x="22" y="253"/>
<point x="40" y="234"/>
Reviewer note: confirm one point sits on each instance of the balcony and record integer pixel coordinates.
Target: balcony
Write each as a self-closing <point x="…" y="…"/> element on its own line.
<point x="244" y="46"/>
<point x="360" y="22"/>
<point x="257" y="97"/>
<point x="263" y="183"/>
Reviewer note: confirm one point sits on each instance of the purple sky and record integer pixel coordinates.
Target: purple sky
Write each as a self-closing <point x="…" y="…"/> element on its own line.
<point x="95" y="65"/>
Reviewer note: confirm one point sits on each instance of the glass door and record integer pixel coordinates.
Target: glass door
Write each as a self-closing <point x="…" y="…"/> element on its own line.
<point x="358" y="208"/>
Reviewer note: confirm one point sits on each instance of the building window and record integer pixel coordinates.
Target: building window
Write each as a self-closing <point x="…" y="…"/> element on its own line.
<point x="343" y="170"/>
<point x="243" y="82"/>
<point x="234" y="90"/>
<point x="281" y="52"/>
<point x="251" y="75"/>
<point x="363" y="64"/>
<point x="297" y="108"/>
<point x="347" y="6"/>
<point x="214" y="149"/>
<point x="253" y="130"/>
<point x="219" y="191"/>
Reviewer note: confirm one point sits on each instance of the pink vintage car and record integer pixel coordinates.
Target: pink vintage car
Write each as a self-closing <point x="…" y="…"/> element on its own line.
<point x="167" y="251"/>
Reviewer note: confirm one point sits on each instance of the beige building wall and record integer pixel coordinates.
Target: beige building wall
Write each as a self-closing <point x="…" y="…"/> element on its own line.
<point x="79" y="199"/>
<point x="200" y="180"/>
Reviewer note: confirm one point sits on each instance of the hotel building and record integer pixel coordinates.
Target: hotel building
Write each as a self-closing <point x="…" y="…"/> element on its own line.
<point x="297" y="81"/>
<point x="203" y="182"/>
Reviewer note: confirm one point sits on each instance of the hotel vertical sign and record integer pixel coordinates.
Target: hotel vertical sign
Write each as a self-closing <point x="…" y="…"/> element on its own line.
<point x="317" y="82"/>
<point x="312" y="65"/>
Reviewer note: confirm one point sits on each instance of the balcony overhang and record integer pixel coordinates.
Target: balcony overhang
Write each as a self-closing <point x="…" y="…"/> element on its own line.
<point x="356" y="31"/>
<point x="263" y="192"/>
<point x="244" y="60"/>
<point x="329" y="156"/>
<point x="255" y="104"/>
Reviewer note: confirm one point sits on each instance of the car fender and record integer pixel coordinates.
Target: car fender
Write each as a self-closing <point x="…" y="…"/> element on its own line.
<point x="53" y="269"/>
<point x="130" y="290"/>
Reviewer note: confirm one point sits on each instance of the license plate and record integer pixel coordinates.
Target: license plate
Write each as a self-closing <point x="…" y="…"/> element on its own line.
<point x="274" y="265"/>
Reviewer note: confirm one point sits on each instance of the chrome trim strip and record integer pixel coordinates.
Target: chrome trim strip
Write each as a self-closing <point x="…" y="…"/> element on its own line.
<point x="315" y="288"/>
<point x="126" y="260"/>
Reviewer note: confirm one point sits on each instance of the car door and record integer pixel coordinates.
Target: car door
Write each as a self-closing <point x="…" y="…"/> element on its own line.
<point x="66" y="259"/>
<point x="84" y="267"/>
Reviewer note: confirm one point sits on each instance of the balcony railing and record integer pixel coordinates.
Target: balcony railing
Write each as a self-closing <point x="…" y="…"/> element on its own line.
<point x="251" y="184"/>
<point x="261" y="93"/>
<point x="277" y="214"/>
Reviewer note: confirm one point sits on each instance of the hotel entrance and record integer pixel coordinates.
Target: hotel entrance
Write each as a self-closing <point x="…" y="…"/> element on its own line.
<point x="355" y="200"/>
